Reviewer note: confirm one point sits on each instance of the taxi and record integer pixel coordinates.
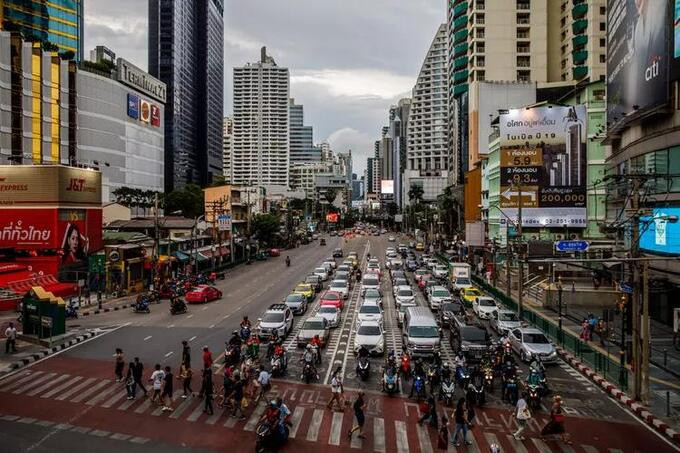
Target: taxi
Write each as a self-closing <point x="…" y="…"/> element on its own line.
<point x="420" y="247"/>
<point x="469" y="295"/>
<point x="306" y="290"/>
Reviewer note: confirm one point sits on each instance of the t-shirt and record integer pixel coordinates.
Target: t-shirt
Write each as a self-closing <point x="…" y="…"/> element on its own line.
<point x="168" y="383"/>
<point x="11" y="333"/>
<point x="264" y="377"/>
<point x="335" y="384"/>
<point x="459" y="415"/>
<point x="157" y="378"/>
<point x="521" y="409"/>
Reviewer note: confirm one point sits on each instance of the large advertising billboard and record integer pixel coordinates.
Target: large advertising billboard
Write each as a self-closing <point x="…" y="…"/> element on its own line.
<point x="637" y="57"/>
<point x="676" y="30"/>
<point x="387" y="186"/>
<point x="544" y="166"/>
<point x="660" y="232"/>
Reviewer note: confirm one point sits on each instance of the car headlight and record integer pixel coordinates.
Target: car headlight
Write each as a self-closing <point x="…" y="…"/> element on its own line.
<point x="528" y="354"/>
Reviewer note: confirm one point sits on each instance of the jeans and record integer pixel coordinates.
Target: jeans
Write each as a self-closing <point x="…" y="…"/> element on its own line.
<point x="460" y="427"/>
<point x="10" y="344"/>
<point x="130" y="390"/>
<point x="186" y="386"/>
<point x="521" y="426"/>
<point x="138" y="382"/>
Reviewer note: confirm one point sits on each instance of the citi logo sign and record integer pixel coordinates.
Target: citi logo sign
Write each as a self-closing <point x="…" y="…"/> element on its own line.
<point x="652" y="71"/>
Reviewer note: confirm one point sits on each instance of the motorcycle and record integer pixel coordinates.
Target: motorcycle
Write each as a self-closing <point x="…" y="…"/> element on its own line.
<point x="475" y="391"/>
<point x="390" y="381"/>
<point x="232" y="354"/>
<point x="178" y="308"/>
<point x="533" y="396"/>
<point x="308" y="373"/>
<point x="141" y="306"/>
<point x="405" y="368"/>
<point x="488" y="379"/>
<point x="245" y="332"/>
<point x="447" y="391"/>
<point x="72" y="311"/>
<point x="278" y="363"/>
<point x="363" y="368"/>
<point x="433" y="376"/>
<point x="462" y="377"/>
<point x="268" y="435"/>
<point x="419" y="387"/>
<point x="511" y="390"/>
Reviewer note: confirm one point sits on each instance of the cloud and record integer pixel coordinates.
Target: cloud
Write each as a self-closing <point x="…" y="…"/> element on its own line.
<point x="361" y="144"/>
<point x="356" y="82"/>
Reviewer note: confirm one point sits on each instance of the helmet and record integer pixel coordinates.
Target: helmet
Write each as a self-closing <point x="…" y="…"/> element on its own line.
<point x="272" y="403"/>
<point x="460" y="354"/>
<point x="445" y="365"/>
<point x="494" y="448"/>
<point x="309" y="347"/>
<point x="235" y="332"/>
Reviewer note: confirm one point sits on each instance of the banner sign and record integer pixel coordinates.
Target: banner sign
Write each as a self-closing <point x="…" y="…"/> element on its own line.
<point x="49" y="185"/>
<point x="332" y="217"/>
<point x="544" y="166"/>
<point x="660" y="233"/>
<point x="224" y="222"/>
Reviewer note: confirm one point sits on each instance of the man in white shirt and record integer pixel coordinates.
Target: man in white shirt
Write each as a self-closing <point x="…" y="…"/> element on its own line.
<point x="157" y="380"/>
<point x="522" y="415"/>
<point x="11" y="342"/>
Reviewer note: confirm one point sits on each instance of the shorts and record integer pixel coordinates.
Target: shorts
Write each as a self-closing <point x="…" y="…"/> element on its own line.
<point x="360" y="419"/>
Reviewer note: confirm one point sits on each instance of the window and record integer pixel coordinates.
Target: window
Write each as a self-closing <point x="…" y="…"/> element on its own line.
<point x="481" y="61"/>
<point x="523" y="18"/>
<point x="603" y="42"/>
<point x="523" y="33"/>
<point x="603" y="26"/>
<point x="479" y="18"/>
<point x="674" y="168"/>
<point x="480" y="32"/>
<point x="523" y="47"/>
<point x="603" y="10"/>
<point x="523" y="61"/>
<point x="523" y="76"/>
<point x="602" y="58"/>
<point x="481" y="76"/>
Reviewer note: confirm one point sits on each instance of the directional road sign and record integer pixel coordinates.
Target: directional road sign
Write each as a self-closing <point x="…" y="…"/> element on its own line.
<point x="572" y="246"/>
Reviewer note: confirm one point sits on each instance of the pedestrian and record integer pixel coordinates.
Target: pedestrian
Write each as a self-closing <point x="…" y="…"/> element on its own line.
<point x="430" y="412"/>
<point x="208" y="392"/>
<point x="239" y="399"/>
<point x="584" y="330"/>
<point x="460" y="418"/>
<point x="130" y="381"/>
<point x="264" y="382"/>
<point x="443" y="435"/>
<point x="185" y="374"/>
<point x="601" y="331"/>
<point x="522" y="415"/>
<point x="120" y="364"/>
<point x="207" y="357"/>
<point x="11" y="339"/>
<point x="186" y="354"/>
<point x="227" y="388"/>
<point x="336" y="390"/>
<point x="137" y="373"/>
<point x="358" y="406"/>
<point x="157" y="382"/>
<point x="167" y="389"/>
<point x="592" y="324"/>
<point x="555" y="425"/>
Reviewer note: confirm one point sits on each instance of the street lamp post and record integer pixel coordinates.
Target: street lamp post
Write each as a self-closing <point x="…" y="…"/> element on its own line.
<point x="560" y="335"/>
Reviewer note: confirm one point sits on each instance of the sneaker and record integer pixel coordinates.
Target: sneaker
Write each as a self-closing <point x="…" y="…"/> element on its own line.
<point x="130" y="398"/>
<point x="184" y="396"/>
<point x="467" y="442"/>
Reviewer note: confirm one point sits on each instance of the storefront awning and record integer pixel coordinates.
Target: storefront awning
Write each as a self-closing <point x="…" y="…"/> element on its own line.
<point x="203" y="256"/>
<point x="181" y="256"/>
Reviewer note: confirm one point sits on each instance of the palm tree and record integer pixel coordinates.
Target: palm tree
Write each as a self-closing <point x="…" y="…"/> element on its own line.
<point x="415" y="194"/>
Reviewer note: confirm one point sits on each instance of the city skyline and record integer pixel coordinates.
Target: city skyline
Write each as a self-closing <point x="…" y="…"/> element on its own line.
<point x="346" y="87"/>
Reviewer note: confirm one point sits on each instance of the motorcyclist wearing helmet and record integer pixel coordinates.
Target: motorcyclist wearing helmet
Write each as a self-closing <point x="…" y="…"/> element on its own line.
<point x="534" y="377"/>
<point x="419" y="369"/>
<point x="271" y="415"/>
<point x="459" y="361"/>
<point x="316" y="348"/>
<point x="446" y="371"/>
<point x="309" y="357"/>
<point x="235" y="339"/>
<point x="363" y="352"/>
<point x="284" y="417"/>
<point x="508" y="371"/>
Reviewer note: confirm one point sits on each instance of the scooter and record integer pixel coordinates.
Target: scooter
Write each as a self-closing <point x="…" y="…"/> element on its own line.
<point x="390" y="381"/>
<point x="278" y="364"/>
<point x="448" y="389"/>
<point x="475" y="391"/>
<point x="178" y="307"/>
<point x="363" y="368"/>
<point x="511" y="390"/>
<point x="405" y="368"/>
<point x="533" y="396"/>
<point x="245" y="333"/>
<point x="433" y="376"/>
<point x="268" y="436"/>
<point x="488" y="379"/>
<point x="141" y="306"/>
<point x="71" y="311"/>
<point x="308" y="373"/>
<point x="232" y="354"/>
<point x="419" y="387"/>
<point x="462" y="377"/>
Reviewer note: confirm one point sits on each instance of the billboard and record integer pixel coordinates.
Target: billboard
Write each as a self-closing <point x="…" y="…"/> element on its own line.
<point x="155" y="115"/>
<point x="387" y="186"/>
<point x="637" y="57"/>
<point x="660" y="235"/>
<point x="676" y="30"/>
<point x="133" y="106"/>
<point x="544" y="165"/>
<point x="332" y="217"/>
<point x="144" y="111"/>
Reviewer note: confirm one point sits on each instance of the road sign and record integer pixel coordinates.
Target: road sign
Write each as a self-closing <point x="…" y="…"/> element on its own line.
<point x="224" y="222"/>
<point x="572" y="246"/>
<point x="503" y="233"/>
<point x="626" y="288"/>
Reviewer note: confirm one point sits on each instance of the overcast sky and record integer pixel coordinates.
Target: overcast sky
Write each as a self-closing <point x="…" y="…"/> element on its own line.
<point x="349" y="60"/>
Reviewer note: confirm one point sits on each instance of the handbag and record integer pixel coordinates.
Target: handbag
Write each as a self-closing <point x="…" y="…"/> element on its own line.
<point x="526" y="413"/>
<point x="244" y="402"/>
<point x="558" y="418"/>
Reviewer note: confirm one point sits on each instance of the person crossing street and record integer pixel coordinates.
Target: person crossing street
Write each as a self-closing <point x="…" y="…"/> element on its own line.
<point x="11" y="339"/>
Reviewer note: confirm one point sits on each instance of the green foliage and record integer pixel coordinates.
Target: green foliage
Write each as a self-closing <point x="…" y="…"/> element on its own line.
<point x="415" y="194"/>
<point x="188" y="200"/>
<point x="265" y="226"/>
<point x="297" y="204"/>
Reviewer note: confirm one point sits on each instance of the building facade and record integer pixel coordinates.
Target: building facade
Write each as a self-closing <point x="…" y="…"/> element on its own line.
<point x="58" y="22"/>
<point x="227" y="151"/>
<point x="427" y="157"/>
<point x="186" y="52"/>
<point x="303" y="176"/>
<point x="302" y="147"/>
<point x="38" y="95"/>
<point x="121" y="127"/>
<point x="261" y="123"/>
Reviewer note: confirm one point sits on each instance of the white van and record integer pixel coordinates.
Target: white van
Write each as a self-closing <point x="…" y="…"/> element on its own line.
<point x="370" y="281"/>
<point x="420" y="333"/>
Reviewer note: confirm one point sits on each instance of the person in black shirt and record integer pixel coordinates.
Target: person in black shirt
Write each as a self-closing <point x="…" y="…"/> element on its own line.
<point x="238" y="397"/>
<point x="167" y="389"/>
<point x="186" y="354"/>
<point x="208" y="392"/>
<point x="358" y="406"/>
<point x="137" y="373"/>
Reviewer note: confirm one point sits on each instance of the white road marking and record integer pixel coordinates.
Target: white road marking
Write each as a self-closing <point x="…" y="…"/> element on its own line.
<point x="402" y="437"/>
<point x="169" y="354"/>
<point x="226" y="316"/>
<point x="75" y="389"/>
<point x="336" y="429"/>
<point x="62" y="387"/>
<point x="171" y="326"/>
<point x="44" y="387"/>
<point x="313" y="432"/>
<point x="295" y="420"/>
<point x="204" y="308"/>
<point x="190" y="316"/>
<point x="424" y="439"/>
<point x="147" y="338"/>
<point x="379" y="435"/>
<point x="255" y="417"/>
<point x="212" y="326"/>
<point x="192" y="338"/>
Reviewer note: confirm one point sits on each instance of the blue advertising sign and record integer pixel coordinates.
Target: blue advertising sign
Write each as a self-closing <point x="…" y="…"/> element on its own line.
<point x="571" y="246"/>
<point x="660" y="232"/>
<point x="626" y="288"/>
<point x="133" y="106"/>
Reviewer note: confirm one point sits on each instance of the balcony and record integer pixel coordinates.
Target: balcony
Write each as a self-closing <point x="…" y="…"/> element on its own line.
<point x="460" y="63"/>
<point x="460" y="23"/>
<point x="578" y="11"/>
<point x="580" y="72"/>
<point x="579" y="56"/>
<point x="579" y="26"/>
<point x="460" y="36"/>
<point x="460" y="49"/>
<point x="460" y="76"/>
<point x="460" y="9"/>
<point x="580" y="40"/>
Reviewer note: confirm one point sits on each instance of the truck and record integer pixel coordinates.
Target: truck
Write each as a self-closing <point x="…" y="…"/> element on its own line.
<point x="459" y="274"/>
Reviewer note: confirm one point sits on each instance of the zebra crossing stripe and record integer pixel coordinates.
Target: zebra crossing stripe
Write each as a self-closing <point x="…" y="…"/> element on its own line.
<point x="100" y="396"/>
<point x="213" y="418"/>
<point x="44" y="387"/>
<point x="313" y="432"/>
<point x="114" y="399"/>
<point x="144" y="406"/>
<point x="423" y="439"/>
<point x="566" y="448"/>
<point x="491" y="439"/>
<point x="379" y="435"/>
<point x="183" y="406"/>
<point x="159" y="410"/>
<point x="231" y="421"/>
<point x="295" y="420"/>
<point x="13" y="379"/>
<point x="75" y="389"/>
<point x="34" y="383"/>
<point x="517" y="445"/>
<point x="90" y="391"/>
<point x="198" y="410"/>
<point x="541" y="446"/>
<point x="589" y="449"/>
<point x="475" y="443"/>
<point x="402" y="436"/>
<point x="62" y="387"/>
<point x="255" y="417"/>
<point x="336" y="428"/>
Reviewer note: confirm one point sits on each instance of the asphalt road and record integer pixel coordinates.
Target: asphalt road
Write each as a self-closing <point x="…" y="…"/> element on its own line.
<point x="70" y="402"/>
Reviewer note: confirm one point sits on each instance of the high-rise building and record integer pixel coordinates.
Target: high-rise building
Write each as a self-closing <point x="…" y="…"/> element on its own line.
<point x="261" y="123"/>
<point x="186" y="53"/>
<point x="227" y="150"/>
<point x="398" y="133"/>
<point x="583" y="39"/>
<point x="58" y="22"/>
<point x="303" y="176"/>
<point x="326" y="152"/>
<point x="302" y="147"/>
<point x="427" y="158"/>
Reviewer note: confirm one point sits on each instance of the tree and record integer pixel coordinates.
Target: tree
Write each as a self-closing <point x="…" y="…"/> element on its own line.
<point x="330" y="194"/>
<point x="392" y="208"/>
<point x="188" y="200"/>
<point x="415" y="194"/>
<point x="297" y="204"/>
<point x="264" y="227"/>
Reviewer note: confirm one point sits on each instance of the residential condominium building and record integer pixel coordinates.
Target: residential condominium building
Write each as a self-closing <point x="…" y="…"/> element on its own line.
<point x="303" y="176"/>
<point x="58" y="22"/>
<point x="302" y="147"/>
<point x="261" y="143"/>
<point x="427" y="156"/>
<point x="227" y="144"/>
<point x="583" y="39"/>
<point x="186" y="52"/>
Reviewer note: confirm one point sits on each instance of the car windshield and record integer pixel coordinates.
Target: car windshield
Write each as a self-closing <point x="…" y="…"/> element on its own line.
<point x="405" y="292"/>
<point x="473" y="334"/>
<point x="311" y="279"/>
<point x="369" y="330"/>
<point x="420" y="272"/>
<point x="331" y="296"/>
<point x="371" y="281"/>
<point x="328" y="309"/>
<point x="450" y="307"/>
<point x="273" y="317"/>
<point x="370" y="309"/>
<point x="313" y="325"/>
<point x="342" y="275"/>
<point x="321" y="270"/>
<point x="337" y="250"/>
<point x="472" y="292"/>
<point x="507" y="316"/>
<point x="463" y="281"/>
<point x="487" y="302"/>
<point x="302" y="288"/>
<point x="372" y="294"/>
<point x="294" y="298"/>
<point x="423" y="332"/>
<point x="338" y="284"/>
<point x="535" y="338"/>
<point x="441" y="293"/>
<point x="400" y="282"/>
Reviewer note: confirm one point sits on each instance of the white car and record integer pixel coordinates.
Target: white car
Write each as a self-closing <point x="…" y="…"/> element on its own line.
<point x="373" y="267"/>
<point x="372" y="296"/>
<point x="369" y="312"/>
<point x="340" y="286"/>
<point x="394" y="263"/>
<point x="321" y="272"/>
<point x="503" y="321"/>
<point x="484" y="306"/>
<point x="401" y="311"/>
<point x="438" y="295"/>
<point x="404" y="295"/>
<point x="369" y="281"/>
<point x="440" y="271"/>
<point x="330" y="313"/>
<point x="391" y="239"/>
<point x="370" y="335"/>
<point x="332" y="262"/>
<point x="430" y="263"/>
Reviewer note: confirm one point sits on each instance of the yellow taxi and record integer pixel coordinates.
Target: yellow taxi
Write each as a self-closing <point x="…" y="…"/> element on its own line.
<point x="353" y="258"/>
<point x="306" y="290"/>
<point x="420" y="247"/>
<point x="469" y="295"/>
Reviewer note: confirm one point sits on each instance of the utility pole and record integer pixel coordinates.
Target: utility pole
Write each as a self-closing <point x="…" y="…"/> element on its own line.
<point x="156" y="244"/>
<point x="520" y="259"/>
<point x="635" y="272"/>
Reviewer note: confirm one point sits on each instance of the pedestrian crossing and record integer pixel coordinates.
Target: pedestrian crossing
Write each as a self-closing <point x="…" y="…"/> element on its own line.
<point x="308" y="423"/>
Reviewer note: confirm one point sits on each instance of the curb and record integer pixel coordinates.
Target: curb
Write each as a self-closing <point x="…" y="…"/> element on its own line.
<point x="49" y="351"/>
<point x="106" y="309"/>
<point x="630" y="404"/>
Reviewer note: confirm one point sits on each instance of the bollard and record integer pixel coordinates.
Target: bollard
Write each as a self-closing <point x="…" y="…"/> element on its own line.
<point x="668" y="403"/>
<point x="665" y="356"/>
